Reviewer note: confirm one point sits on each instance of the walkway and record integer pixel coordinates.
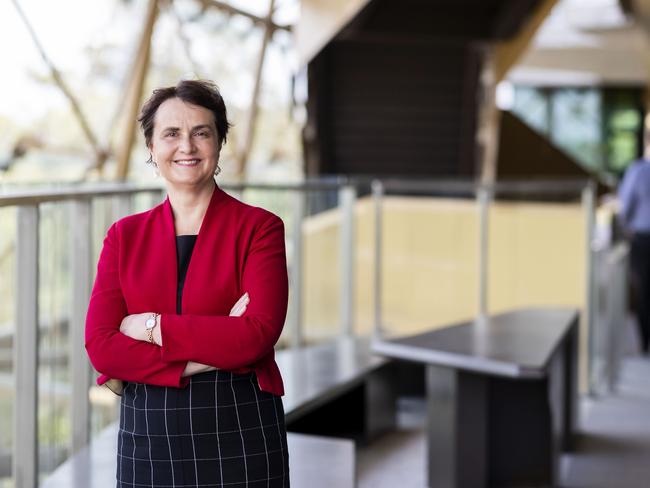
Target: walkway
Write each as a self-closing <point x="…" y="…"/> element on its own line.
<point x="614" y="448"/>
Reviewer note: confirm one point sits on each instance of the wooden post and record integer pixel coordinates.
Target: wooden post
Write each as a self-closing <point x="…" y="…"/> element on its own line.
<point x="133" y="92"/>
<point x="498" y="60"/>
<point x="488" y="119"/>
<point x="509" y="52"/>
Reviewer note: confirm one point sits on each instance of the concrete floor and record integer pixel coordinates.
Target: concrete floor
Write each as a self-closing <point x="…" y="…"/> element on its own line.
<point x="614" y="445"/>
<point x="397" y="459"/>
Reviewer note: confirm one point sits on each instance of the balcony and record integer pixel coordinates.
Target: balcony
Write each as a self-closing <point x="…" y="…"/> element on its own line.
<point x="367" y="258"/>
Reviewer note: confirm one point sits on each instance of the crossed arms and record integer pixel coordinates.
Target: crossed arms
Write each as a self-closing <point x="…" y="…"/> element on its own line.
<point x="189" y="344"/>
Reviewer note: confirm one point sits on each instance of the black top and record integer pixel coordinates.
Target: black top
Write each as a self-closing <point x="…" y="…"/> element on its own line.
<point x="518" y="343"/>
<point x="184" y="247"/>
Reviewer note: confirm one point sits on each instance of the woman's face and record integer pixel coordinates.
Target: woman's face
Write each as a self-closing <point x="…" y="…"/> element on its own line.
<point x="185" y="143"/>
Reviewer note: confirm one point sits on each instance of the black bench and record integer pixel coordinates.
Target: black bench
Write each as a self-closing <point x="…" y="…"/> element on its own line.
<point x="502" y="396"/>
<point x="339" y="389"/>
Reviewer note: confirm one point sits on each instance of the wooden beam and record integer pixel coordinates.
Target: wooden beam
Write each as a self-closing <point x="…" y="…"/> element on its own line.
<point x="508" y="53"/>
<point x="58" y="79"/>
<point x="247" y="142"/>
<point x="260" y="21"/>
<point x="134" y="89"/>
<point x="185" y="40"/>
<point x="487" y="127"/>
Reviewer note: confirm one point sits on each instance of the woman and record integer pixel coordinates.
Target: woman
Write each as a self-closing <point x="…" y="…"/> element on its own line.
<point x="192" y="339"/>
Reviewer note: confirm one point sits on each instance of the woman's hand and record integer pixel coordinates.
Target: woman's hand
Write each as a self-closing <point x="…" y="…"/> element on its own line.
<point x="134" y="327"/>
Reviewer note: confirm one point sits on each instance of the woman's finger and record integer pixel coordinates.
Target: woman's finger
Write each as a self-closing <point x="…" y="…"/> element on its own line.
<point x="240" y="307"/>
<point x="243" y="300"/>
<point x="239" y="310"/>
<point x="234" y="309"/>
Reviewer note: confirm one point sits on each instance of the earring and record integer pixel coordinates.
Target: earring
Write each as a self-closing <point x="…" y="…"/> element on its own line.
<point x="217" y="171"/>
<point x="156" y="171"/>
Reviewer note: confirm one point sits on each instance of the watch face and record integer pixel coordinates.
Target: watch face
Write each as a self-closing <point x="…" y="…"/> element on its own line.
<point x="150" y="323"/>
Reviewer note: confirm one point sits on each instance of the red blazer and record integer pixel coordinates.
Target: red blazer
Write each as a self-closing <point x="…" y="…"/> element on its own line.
<point x="239" y="249"/>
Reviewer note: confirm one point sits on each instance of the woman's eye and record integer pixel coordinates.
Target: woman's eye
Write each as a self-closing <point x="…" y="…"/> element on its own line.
<point x="172" y="133"/>
<point x="203" y="133"/>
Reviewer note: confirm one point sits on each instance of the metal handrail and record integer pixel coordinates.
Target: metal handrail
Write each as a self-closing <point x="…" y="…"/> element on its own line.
<point x="47" y="195"/>
<point x="30" y="196"/>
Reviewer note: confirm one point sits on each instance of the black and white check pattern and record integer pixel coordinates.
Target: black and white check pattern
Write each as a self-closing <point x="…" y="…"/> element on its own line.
<point x="219" y="431"/>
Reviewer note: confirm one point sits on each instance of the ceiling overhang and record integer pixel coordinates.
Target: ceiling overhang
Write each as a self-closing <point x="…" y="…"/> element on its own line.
<point x="320" y="21"/>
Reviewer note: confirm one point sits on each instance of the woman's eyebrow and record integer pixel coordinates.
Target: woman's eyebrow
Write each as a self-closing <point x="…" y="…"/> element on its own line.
<point x="202" y="126"/>
<point x="195" y="128"/>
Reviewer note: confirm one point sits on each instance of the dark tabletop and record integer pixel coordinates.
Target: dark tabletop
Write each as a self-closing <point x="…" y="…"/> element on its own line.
<point x="517" y="344"/>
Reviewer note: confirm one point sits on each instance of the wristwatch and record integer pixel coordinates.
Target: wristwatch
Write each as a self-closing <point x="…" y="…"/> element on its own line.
<point x="150" y="324"/>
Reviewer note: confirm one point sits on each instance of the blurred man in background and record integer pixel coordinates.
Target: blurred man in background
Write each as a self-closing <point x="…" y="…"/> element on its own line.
<point x="634" y="212"/>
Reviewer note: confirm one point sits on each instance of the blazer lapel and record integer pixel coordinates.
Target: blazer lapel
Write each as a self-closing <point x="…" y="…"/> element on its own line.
<point x="168" y="250"/>
<point x="202" y="249"/>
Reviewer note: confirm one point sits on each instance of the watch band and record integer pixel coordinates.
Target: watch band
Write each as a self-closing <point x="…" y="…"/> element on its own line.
<point x="150" y="325"/>
<point x="150" y="335"/>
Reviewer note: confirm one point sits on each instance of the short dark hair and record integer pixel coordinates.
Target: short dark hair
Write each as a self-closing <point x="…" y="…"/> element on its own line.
<point x="203" y="93"/>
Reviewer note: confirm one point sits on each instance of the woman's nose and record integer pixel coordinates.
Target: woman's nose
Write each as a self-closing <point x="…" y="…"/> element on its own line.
<point x="185" y="144"/>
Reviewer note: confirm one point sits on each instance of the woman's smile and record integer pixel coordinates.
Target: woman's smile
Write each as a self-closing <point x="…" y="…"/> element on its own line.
<point x="187" y="162"/>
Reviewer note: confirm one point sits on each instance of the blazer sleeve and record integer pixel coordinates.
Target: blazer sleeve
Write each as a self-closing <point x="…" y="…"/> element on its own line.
<point x="111" y="352"/>
<point x="233" y="342"/>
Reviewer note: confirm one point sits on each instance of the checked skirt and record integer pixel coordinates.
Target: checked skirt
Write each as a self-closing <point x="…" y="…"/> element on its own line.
<point x="219" y="431"/>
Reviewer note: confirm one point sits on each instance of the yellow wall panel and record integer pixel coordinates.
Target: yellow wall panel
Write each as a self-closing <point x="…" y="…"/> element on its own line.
<point x="430" y="262"/>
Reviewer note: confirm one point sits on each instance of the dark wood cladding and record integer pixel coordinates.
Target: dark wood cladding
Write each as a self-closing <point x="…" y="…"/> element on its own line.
<point x="395" y="109"/>
<point x="533" y="155"/>
<point x="395" y="92"/>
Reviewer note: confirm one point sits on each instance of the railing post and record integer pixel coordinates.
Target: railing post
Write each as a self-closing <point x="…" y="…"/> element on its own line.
<point x="378" y="195"/>
<point x="588" y="202"/>
<point x="122" y="205"/>
<point x="296" y="278"/>
<point x="80" y="371"/>
<point x="483" y="197"/>
<point x="25" y="459"/>
<point x="347" y="198"/>
<point x="156" y="197"/>
<point x="619" y="291"/>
